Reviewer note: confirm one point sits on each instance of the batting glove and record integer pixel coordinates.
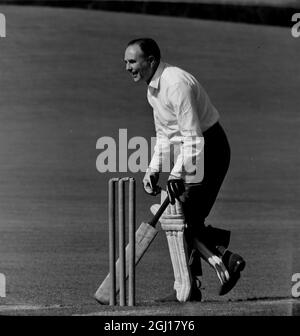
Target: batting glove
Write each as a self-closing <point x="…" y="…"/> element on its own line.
<point x="150" y="182"/>
<point x="175" y="188"/>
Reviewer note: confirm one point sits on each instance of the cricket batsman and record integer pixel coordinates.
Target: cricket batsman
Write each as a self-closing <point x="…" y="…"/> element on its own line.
<point x="188" y="134"/>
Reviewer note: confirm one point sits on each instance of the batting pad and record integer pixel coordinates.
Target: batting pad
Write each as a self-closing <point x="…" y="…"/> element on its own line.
<point x="177" y="248"/>
<point x="173" y="223"/>
<point x="213" y="260"/>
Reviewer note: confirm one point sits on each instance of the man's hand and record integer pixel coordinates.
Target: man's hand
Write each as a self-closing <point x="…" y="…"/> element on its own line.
<point x="150" y="182"/>
<point x="175" y="188"/>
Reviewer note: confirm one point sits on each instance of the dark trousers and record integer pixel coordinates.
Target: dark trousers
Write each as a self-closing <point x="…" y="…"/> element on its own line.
<point x="198" y="200"/>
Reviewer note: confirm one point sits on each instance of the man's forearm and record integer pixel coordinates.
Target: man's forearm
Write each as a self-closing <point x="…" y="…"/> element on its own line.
<point x="189" y="164"/>
<point x="161" y="159"/>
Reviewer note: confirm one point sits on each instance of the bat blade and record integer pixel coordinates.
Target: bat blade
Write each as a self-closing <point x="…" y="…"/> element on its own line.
<point x="144" y="236"/>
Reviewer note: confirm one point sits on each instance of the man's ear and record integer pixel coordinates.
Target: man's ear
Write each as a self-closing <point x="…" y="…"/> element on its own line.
<point x="151" y="60"/>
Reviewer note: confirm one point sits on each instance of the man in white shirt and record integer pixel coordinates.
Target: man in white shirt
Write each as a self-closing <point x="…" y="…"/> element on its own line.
<point x="187" y="125"/>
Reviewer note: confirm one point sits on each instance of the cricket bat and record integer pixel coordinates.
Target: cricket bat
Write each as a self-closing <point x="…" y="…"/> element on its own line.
<point x="144" y="236"/>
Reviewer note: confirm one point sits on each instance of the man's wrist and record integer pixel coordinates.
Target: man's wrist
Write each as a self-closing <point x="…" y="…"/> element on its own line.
<point x="174" y="177"/>
<point x="152" y="170"/>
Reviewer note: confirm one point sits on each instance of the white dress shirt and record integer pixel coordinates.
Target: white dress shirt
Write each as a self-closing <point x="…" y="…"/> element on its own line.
<point x="182" y="112"/>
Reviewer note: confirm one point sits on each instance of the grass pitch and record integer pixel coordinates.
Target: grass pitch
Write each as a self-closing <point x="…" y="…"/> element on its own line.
<point x="63" y="85"/>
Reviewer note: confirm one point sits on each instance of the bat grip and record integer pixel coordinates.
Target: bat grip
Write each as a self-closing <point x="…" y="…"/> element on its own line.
<point x="159" y="212"/>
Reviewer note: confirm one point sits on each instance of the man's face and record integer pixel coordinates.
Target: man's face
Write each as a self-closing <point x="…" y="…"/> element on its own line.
<point x="139" y="66"/>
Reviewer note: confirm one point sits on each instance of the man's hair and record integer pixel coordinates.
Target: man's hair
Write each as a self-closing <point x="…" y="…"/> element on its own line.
<point x="148" y="46"/>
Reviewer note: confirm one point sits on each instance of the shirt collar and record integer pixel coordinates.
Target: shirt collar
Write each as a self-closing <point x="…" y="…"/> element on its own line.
<point x="156" y="77"/>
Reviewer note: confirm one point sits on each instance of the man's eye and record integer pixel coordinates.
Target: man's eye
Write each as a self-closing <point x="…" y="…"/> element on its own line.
<point x="129" y="62"/>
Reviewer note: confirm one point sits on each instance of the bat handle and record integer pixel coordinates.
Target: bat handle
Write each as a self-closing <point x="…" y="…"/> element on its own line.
<point x="159" y="212"/>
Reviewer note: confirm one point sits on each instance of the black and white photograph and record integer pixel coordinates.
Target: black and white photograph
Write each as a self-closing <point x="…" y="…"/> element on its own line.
<point x="149" y="161"/>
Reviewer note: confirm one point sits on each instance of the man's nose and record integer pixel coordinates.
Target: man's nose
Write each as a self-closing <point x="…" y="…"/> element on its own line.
<point x="128" y="67"/>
